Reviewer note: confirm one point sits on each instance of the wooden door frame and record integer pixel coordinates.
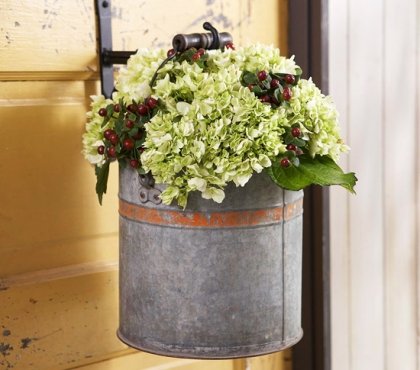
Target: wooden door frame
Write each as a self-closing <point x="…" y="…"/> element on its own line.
<point x="308" y="41"/>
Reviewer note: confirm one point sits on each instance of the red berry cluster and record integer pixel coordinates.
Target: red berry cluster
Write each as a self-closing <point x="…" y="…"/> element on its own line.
<point x="276" y="89"/>
<point x="191" y="55"/>
<point x="295" y="145"/>
<point x="125" y="141"/>
<point x="272" y="88"/>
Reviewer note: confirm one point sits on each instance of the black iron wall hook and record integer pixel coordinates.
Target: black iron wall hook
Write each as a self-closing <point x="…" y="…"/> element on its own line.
<point x="213" y="40"/>
<point x="181" y="42"/>
<point x="108" y="57"/>
<point x="216" y="39"/>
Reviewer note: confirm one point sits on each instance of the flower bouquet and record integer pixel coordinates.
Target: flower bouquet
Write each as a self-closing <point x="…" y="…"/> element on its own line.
<point x="200" y="279"/>
<point x="200" y="119"/>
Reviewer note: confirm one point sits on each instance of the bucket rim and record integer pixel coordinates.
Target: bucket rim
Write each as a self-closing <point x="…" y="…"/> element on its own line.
<point x="210" y="353"/>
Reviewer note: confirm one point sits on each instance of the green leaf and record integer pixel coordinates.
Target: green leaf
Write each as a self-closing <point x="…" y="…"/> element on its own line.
<point x="295" y="161"/>
<point x="257" y="90"/>
<point x="334" y="175"/>
<point x="298" y="142"/>
<point x="267" y="82"/>
<point x="109" y="109"/>
<point x="289" y="138"/>
<point x="101" y="180"/>
<point x="144" y="119"/>
<point x="289" y="178"/>
<point x="276" y="96"/>
<point x="321" y="170"/>
<point x="105" y="121"/>
<point x="278" y="76"/>
<point x="290" y="153"/>
<point x="119" y="125"/>
<point x="139" y="143"/>
<point x="201" y="63"/>
<point x="278" y="93"/>
<point x="249" y="78"/>
<point x="133" y="131"/>
<point x="109" y="112"/>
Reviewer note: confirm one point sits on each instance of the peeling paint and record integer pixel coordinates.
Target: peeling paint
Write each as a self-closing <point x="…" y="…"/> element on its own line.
<point x="51" y="11"/>
<point x="5" y="349"/>
<point x="225" y="21"/>
<point x="6" y="364"/>
<point x="25" y="342"/>
<point x="200" y="19"/>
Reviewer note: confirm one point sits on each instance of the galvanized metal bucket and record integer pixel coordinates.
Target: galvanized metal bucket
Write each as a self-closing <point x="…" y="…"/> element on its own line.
<point x="213" y="281"/>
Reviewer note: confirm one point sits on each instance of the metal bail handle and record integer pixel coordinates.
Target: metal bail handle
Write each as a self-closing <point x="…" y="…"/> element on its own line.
<point x="213" y="40"/>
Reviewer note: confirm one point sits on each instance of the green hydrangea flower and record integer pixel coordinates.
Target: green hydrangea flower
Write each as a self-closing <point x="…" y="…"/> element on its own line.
<point x="319" y="117"/>
<point x="93" y="137"/>
<point x="212" y="130"/>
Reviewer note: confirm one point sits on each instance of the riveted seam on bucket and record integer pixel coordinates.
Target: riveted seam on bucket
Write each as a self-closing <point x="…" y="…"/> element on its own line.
<point x="203" y="220"/>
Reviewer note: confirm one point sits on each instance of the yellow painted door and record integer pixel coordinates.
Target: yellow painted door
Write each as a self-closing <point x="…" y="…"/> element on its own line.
<point x="58" y="247"/>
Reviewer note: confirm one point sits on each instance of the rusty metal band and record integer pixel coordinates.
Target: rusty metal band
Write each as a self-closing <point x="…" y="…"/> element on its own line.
<point x="226" y="219"/>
